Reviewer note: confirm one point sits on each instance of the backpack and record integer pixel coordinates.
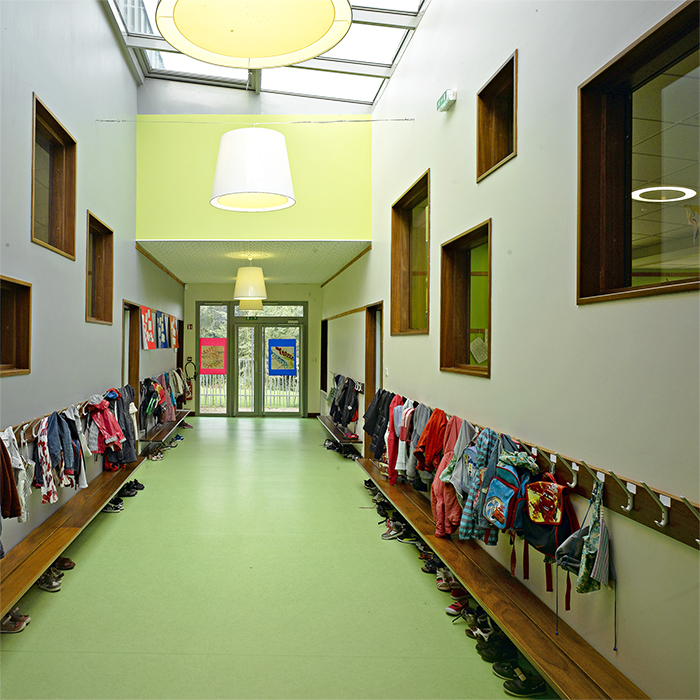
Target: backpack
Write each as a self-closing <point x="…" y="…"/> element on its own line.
<point x="505" y="500"/>
<point x="548" y="538"/>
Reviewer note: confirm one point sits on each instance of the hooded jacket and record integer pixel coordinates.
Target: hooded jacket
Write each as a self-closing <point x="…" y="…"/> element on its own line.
<point x="443" y="500"/>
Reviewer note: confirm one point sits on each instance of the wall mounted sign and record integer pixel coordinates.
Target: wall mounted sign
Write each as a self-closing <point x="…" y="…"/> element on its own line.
<point x="161" y="331"/>
<point x="212" y="355"/>
<point x="282" y="357"/>
<point x="148" y="339"/>
<point x="174" y="340"/>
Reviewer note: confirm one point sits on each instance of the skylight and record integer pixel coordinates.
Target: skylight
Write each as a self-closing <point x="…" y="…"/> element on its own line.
<point x="317" y="83"/>
<point x="354" y="70"/>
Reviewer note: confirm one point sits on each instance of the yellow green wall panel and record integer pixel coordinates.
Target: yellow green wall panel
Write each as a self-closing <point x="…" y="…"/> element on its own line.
<point x="331" y="171"/>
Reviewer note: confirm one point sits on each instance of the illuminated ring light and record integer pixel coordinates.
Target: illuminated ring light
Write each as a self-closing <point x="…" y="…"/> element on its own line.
<point x="686" y="193"/>
<point x="253" y="33"/>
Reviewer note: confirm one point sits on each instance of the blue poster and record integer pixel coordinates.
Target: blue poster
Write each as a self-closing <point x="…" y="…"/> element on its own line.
<point x="161" y="331"/>
<point x="282" y="357"/>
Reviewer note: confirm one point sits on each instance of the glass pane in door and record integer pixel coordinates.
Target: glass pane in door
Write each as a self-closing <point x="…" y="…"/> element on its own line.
<point x="213" y="334"/>
<point x="246" y="355"/>
<point x="281" y="374"/>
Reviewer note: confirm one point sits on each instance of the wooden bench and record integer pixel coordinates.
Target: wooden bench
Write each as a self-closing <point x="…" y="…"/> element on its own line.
<point x="572" y="667"/>
<point x="28" y="560"/>
<point x="160" y="433"/>
<point x="346" y="443"/>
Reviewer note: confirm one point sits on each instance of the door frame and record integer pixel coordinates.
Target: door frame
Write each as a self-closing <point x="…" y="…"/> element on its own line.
<point x="232" y="354"/>
<point x="374" y="345"/>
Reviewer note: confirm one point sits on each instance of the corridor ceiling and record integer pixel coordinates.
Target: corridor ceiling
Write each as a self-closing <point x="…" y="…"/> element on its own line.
<point x="355" y="71"/>
<point x="283" y="262"/>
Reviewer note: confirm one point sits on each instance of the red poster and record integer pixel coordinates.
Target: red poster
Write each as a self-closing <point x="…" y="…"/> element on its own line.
<point x="148" y="338"/>
<point x="212" y="355"/>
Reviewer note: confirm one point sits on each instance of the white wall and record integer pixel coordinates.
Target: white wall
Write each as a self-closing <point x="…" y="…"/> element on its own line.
<point x="614" y="384"/>
<point x="310" y="293"/>
<point x="65" y="52"/>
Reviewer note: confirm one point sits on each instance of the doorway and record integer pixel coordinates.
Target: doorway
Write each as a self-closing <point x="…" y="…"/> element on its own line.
<point x="252" y="363"/>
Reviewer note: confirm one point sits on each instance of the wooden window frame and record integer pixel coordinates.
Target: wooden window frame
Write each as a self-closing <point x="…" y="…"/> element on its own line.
<point x="604" y="174"/>
<point x="401" y="213"/>
<point x="496" y="119"/>
<point x="16" y="326"/>
<point x="62" y="191"/>
<point x="99" y="256"/>
<point x="454" y="302"/>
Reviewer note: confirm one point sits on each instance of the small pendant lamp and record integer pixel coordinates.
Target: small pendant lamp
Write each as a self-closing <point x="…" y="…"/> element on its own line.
<point x="250" y="283"/>
<point x="250" y="305"/>
<point x="252" y="172"/>
<point x="253" y="33"/>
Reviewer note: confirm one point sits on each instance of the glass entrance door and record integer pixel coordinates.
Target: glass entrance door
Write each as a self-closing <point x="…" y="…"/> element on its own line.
<point x="247" y="391"/>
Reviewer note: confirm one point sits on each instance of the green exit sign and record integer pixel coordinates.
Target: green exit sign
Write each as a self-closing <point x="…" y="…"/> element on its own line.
<point x="447" y="99"/>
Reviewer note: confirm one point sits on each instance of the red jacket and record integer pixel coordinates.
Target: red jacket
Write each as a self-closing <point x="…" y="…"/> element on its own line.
<point x="392" y="442"/>
<point x="447" y="512"/>
<point x="429" y="448"/>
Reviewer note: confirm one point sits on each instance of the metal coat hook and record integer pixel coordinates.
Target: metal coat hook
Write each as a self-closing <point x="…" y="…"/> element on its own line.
<point x="595" y="478"/>
<point x="664" y="509"/>
<point x="570" y="467"/>
<point x="550" y="464"/>
<point x="693" y="510"/>
<point x="630" y="495"/>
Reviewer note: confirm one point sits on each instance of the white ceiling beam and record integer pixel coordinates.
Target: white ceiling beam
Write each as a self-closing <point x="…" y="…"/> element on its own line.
<point x="385" y="19"/>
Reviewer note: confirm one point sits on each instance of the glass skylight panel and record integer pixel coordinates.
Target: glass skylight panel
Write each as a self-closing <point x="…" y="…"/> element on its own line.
<point x="179" y="63"/>
<point x="139" y="16"/>
<point x="412" y="6"/>
<point x="314" y="83"/>
<point x="368" y="43"/>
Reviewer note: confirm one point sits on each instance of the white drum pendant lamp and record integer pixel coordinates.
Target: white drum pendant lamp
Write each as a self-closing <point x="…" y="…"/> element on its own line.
<point x="253" y="33"/>
<point x="250" y="284"/>
<point x="252" y="172"/>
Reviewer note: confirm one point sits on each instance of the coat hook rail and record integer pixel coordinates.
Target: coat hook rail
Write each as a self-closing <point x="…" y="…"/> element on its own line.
<point x="630" y="495"/>
<point x="30" y="427"/>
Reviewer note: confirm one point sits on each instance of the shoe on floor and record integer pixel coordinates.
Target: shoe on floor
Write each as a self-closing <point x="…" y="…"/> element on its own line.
<point x="136" y="485"/>
<point x="111" y="508"/>
<point x="531" y="686"/>
<point x="442" y="580"/>
<point x="459" y="593"/>
<point x="431" y="567"/>
<point x="455" y="610"/>
<point x="504" y="650"/>
<point x="397" y="528"/>
<point x="9" y="625"/>
<point x="63" y="564"/>
<point x="505" y="670"/>
<point x="127" y="491"/>
<point x="15" y="614"/>
<point x="47" y="582"/>
<point x="408" y="537"/>
<point x="186" y="425"/>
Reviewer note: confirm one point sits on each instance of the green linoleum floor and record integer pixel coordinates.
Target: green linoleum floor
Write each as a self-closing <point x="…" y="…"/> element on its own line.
<point x="251" y="566"/>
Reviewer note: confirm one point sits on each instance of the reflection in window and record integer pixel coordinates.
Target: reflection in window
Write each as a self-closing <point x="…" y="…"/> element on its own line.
<point x="638" y="137"/>
<point x="665" y="147"/>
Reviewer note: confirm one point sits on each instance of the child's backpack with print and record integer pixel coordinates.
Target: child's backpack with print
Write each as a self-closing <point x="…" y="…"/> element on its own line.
<point x="505" y="500"/>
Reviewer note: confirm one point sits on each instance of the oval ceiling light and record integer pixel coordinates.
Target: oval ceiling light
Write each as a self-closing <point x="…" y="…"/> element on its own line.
<point x="252" y="172"/>
<point x="253" y="33"/>
<point x="685" y="192"/>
